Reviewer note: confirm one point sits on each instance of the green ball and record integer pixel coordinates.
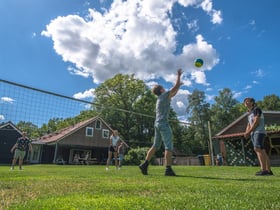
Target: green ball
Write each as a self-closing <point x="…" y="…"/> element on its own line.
<point x="198" y="62"/>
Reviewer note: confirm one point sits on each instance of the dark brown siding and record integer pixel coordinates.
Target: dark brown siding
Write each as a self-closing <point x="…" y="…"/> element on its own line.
<point x="79" y="137"/>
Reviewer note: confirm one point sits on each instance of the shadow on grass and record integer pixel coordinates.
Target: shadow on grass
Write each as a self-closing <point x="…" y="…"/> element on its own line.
<point x="220" y="178"/>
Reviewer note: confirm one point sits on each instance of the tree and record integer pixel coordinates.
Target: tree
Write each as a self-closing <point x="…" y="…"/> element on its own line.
<point x="188" y="145"/>
<point x="199" y="116"/>
<point x="29" y="128"/>
<point x="121" y="100"/>
<point x="224" y="111"/>
<point x="270" y="103"/>
<point x="143" y="127"/>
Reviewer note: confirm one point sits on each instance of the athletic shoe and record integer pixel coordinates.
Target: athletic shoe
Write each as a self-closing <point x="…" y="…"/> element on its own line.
<point x="144" y="168"/>
<point x="107" y="169"/>
<point x="12" y="168"/>
<point x="169" y="172"/>
<point x="270" y="173"/>
<point x="262" y="173"/>
<point x="259" y="172"/>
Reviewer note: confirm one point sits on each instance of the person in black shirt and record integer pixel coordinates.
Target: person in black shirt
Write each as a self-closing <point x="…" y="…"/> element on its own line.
<point x="20" y="148"/>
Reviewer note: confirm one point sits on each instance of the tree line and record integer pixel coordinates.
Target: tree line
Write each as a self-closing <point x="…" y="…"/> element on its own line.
<point x="128" y="105"/>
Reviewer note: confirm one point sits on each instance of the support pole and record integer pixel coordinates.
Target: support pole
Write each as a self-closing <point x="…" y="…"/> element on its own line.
<point x="210" y="144"/>
<point x="55" y="153"/>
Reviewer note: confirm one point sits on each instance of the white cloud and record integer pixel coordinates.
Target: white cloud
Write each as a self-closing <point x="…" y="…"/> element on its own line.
<point x="193" y="25"/>
<point x="7" y="100"/>
<point x="199" y="77"/>
<point x="210" y="97"/>
<point x="132" y="37"/>
<point x="252" y="23"/>
<point x="207" y="6"/>
<point x="2" y="117"/>
<point x="180" y="102"/>
<point x="248" y="87"/>
<point x="86" y="94"/>
<point x="237" y="94"/>
<point x="259" y="73"/>
<point x="216" y="15"/>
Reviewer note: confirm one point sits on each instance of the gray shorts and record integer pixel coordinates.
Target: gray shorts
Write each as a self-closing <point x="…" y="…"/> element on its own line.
<point x="258" y="140"/>
<point x="163" y="133"/>
<point x="19" y="154"/>
<point x="121" y="157"/>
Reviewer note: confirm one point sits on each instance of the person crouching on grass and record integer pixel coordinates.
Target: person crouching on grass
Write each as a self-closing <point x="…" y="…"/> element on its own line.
<point x="163" y="132"/>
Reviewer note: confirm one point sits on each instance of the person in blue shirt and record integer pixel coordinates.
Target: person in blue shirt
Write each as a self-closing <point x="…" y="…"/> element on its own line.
<point x="256" y="130"/>
<point x="163" y="132"/>
<point x="20" y="148"/>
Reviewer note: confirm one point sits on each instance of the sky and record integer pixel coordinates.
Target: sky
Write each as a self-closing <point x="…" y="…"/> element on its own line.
<point x="69" y="47"/>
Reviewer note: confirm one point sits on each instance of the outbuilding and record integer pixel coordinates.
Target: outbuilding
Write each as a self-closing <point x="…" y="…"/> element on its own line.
<point x="236" y="150"/>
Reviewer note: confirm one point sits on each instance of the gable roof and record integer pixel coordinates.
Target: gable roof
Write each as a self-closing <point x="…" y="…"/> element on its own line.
<point x="238" y="127"/>
<point x="9" y="126"/>
<point x="61" y="134"/>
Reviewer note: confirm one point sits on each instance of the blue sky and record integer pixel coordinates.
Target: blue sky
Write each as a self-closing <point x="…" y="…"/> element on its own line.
<point x="71" y="46"/>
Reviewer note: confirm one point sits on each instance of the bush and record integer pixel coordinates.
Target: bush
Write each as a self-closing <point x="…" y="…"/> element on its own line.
<point x="136" y="156"/>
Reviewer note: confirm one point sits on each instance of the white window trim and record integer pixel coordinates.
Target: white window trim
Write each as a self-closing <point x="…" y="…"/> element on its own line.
<point x="100" y="123"/>
<point x="103" y="132"/>
<point x="92" y="131"/>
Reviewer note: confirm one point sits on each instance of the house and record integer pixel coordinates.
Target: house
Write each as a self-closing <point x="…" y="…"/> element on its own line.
<point x="9" y="134"/>
<point x="90" y="137"/>
<point x="236" y="150"/>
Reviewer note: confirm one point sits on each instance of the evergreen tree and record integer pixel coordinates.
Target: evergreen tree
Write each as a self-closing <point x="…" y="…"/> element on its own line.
<point x="199" y="112"/>
<point x="224" y="110"/>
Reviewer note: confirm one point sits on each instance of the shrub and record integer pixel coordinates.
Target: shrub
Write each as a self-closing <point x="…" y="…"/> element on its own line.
<point x="136" y="156"/>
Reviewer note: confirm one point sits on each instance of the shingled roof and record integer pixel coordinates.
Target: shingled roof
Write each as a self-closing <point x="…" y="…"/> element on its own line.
<point x="237" y="127"/>
<point x="61" y="134"/>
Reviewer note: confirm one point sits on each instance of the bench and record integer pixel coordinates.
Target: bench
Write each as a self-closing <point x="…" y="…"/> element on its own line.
<point x="92" y="161"/>
<point x="274" y="143"/>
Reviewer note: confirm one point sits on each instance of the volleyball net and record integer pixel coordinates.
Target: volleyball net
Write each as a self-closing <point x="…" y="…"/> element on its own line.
<point x="20" y="103"/>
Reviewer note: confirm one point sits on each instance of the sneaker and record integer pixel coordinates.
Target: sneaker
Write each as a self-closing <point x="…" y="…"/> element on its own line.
<point x="169" y="172"/>
<point x="107" y="169"/>
<point x="258" y="172"/>
<point x="270" y="173"/>
<point x="12" y="168"/>
<point x="144" y="169"/>
<point x="262" y="173"/>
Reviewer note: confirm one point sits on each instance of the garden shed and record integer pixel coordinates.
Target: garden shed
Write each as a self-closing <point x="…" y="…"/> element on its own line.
<point x="236" y="150"/>
<point x="9" y="134"/>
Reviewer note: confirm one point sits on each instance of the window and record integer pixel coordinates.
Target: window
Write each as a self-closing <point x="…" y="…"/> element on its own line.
<point x="36" y="153"/>
<point x="98" y="124"/>
<point x="89" y="131"/>
<point x="105" y="133"/>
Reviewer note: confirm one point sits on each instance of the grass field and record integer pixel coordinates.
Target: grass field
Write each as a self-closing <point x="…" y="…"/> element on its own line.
<point x="92" y="187"/>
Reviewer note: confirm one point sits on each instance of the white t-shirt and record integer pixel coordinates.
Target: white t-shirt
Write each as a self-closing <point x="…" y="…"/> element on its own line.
<point x="115" y="140"/>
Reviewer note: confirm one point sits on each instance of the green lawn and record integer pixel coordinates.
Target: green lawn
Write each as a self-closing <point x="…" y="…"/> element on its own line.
<point x="92" y="187"/>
